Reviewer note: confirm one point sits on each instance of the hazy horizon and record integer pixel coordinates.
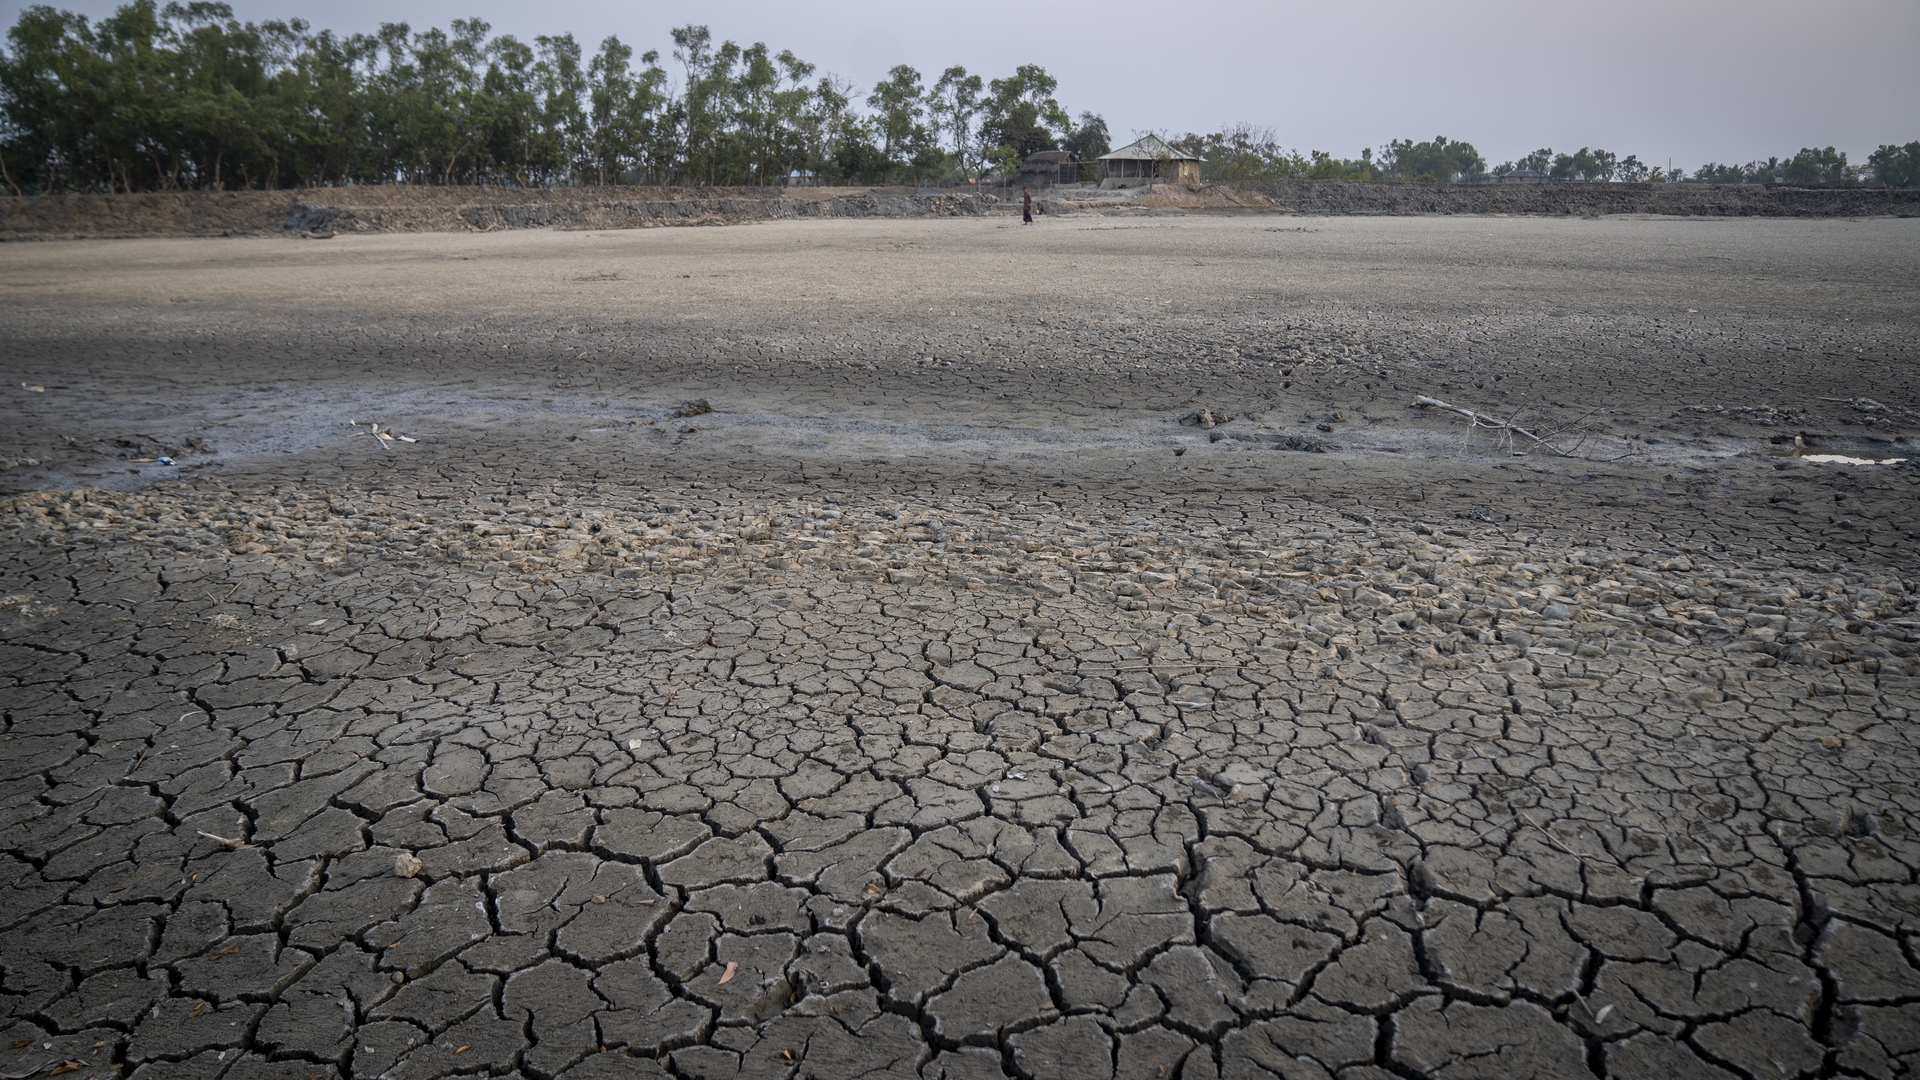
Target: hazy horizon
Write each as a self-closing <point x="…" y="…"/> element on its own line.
<point x="1699" y="81"/>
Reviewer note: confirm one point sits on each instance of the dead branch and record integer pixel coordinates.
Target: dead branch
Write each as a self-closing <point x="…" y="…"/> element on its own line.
<point x="1546" y="440"/>
<point x="237" y="845"/>
<point x="1479" y="419"/>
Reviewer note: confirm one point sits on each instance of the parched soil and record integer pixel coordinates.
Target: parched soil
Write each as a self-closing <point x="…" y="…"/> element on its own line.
<point x="953" y="649"/>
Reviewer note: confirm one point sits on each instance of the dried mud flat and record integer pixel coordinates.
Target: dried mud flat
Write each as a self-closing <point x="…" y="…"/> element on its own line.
<point x="938" y="704"/>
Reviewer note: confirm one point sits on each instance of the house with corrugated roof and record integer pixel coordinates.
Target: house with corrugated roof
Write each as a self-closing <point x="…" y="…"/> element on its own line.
<point x="1149" y="160"/>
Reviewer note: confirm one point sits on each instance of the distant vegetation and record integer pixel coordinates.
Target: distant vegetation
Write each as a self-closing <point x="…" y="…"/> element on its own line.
<point x="1248" y="152"/>
<point x="186" y="97"/>
<point x="1889" y="166"/>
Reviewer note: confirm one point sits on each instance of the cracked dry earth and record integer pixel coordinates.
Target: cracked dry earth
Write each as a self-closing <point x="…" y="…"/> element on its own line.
<point x="976" y="735"/>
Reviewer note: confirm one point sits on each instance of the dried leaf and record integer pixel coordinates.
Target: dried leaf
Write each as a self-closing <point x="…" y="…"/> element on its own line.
<point x="463" y="1050"/>
<point x="599" y="899"/>
<point x="35" y="389"/>
<point x="405" y="865"/>
<point x="21" y="1043"/>
<point x="873" y="888"/>
<point x="1601" y="1016"/>
<point x="732" y="966"/>
<point x="67" y="1067"/>
<point x="237" y="845"/>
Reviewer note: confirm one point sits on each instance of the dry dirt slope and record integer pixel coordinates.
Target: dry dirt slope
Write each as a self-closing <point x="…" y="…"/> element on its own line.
<point x="400" y="208"/>
<point x="403" y="208"/>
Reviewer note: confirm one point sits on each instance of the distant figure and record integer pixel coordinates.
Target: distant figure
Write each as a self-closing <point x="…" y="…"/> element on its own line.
<point x="1026" y="206"/>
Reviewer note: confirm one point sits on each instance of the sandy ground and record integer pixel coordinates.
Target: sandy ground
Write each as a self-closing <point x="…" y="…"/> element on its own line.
<point x="939" y="703"/>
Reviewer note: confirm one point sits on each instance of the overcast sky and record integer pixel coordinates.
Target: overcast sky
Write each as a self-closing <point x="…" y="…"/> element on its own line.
<point x="1694" y="80"/>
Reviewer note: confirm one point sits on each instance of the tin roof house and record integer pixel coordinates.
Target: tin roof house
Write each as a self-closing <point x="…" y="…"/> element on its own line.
<point x="1150" y="160"/>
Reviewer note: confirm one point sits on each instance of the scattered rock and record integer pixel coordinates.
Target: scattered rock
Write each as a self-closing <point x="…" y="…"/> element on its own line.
<point x="1204" y="418"/>
<point x="308" y="219"/>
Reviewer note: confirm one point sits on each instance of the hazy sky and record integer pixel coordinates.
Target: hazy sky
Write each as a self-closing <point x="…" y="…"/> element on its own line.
<point x="1694" y="80"/>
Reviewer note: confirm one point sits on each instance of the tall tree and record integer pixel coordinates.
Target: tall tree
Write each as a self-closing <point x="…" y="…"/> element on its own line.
<point x="900" y="105"/>
<point x="954" y="103"/>
<point x="1021" y="114"/>
<point x="1090" y="139"/>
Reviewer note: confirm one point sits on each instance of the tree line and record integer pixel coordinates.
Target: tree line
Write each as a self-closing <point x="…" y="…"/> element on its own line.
<point x="1248" y="152"/>
<point x="185" y="96"/>
<point x="1892" y="165"/>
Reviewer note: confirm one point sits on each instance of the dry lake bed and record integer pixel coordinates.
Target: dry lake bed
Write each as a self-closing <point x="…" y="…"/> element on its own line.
<point x="948" y="649"/>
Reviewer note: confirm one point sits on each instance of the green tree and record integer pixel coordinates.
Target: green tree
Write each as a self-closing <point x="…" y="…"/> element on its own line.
<point x="900" y="106"/>
<point x="1895" y="166"/>
<point x="1021" y="113"/>
<point x="1810" y="166"/>
<point x="1585" y="164"/>
<point x="1089" y="139"/>
<point x="856" y="157"/>
<point x="1446" y="161"/>
<point x="953" y="105"/>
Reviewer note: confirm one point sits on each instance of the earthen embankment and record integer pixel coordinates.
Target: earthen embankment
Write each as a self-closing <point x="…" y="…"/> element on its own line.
<point x="408" y="208"/>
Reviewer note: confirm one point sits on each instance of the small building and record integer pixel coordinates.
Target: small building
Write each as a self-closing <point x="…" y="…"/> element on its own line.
<point x="1148" y="161"/>
<point x="801" y="178"/>
<point x="1049" y="167"/>
<point x="1522" y="176"/>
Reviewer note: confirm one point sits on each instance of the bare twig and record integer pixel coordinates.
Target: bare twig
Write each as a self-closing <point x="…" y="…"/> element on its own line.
<point x="1509" y="428"/>
<point x="1479" y="419"/>
<point x="1589" y="860"/>
<point x="237" y="845"/>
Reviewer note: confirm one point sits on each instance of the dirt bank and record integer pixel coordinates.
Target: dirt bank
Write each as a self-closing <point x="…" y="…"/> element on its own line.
<point x="1679" y="200"/>
<point x="399" y="208"/>
<point x="1552" y="200"/>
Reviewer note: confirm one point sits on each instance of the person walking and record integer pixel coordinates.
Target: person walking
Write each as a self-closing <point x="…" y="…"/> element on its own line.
<point x="1026" y="206"/>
